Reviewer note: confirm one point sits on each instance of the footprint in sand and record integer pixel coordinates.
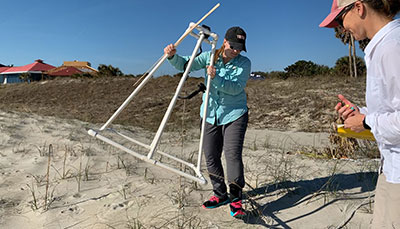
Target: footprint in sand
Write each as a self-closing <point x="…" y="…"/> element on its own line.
<point x="73" y="210"/>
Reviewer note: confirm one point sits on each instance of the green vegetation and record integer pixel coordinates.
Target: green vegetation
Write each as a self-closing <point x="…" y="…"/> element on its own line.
<point x="25" y="77"/>
<point x="109" y="70"/>
<point x="342" y="66"/>
<point x="301" y="68"/>
<point x="304" y="68"/>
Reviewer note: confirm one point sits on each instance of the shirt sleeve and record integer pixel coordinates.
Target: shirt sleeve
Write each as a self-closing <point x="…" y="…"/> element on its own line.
<point x="363" y="110"/>
<point x="236" y="84"/>
<point x="385" y="125"/>
<point x="199" y="62"/>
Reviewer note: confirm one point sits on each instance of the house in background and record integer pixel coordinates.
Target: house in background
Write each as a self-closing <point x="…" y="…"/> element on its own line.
<point x="64" y="71"/>
<point x="83" y="66"/>
<point x="70" y="68"/>
<point x="36" y="70"/>
<point x="2" y="69"/>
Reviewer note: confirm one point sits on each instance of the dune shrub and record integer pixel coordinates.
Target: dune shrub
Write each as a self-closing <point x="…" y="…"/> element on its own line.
<point x="109" y="70"/>
<point x="306" y="68"/>
<point x="342" y="67"/>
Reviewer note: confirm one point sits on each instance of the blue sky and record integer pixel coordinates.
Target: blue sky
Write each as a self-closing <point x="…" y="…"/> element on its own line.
<point x="131" y="34"/>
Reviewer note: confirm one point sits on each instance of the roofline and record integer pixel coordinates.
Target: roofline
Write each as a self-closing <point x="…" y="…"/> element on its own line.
<point x="5" y="73"/>
<point x="87" y="67"/>
<point x="95" y="70"/>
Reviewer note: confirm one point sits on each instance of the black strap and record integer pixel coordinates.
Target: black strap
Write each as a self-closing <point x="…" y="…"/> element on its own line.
<point x="202" y="88"/>
<point x="208" y="28"/>
<point x="366" y="125"/>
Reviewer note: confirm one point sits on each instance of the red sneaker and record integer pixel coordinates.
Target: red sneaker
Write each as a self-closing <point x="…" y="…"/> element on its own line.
<point x="215" y="202"/>
<point x="237" y="210"/>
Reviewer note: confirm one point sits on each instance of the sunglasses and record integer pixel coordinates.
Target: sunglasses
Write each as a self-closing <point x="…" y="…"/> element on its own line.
<point x="340" y="16"/>
<point x="231" y="47"/>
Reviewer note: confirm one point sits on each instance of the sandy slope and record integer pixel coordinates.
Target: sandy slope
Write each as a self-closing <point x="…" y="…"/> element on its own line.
<point x="285" y="189"/>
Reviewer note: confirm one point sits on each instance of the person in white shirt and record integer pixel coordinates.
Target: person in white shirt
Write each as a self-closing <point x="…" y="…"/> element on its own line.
<point x="374" y="19"/>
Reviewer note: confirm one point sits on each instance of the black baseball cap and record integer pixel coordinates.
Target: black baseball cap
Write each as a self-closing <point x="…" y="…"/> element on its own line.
<point x="237" y="38"/>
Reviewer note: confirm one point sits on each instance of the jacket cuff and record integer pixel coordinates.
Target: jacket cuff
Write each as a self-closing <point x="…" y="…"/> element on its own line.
<point x="365" y="124"/>
<point x="172" y="57"/>
<point x="369" y="121"/>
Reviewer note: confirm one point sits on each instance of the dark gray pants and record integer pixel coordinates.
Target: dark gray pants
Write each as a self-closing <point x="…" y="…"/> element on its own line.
<point x="228" y="138"/>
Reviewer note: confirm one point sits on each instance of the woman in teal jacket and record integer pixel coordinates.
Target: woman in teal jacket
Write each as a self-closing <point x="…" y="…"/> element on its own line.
<point x="227" y="115"/>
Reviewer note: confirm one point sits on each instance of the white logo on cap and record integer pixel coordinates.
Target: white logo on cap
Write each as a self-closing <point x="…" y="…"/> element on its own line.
<point x="241" y="37"/>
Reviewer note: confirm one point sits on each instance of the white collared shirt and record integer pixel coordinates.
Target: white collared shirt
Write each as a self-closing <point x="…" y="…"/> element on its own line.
<point x="382" y="58"/>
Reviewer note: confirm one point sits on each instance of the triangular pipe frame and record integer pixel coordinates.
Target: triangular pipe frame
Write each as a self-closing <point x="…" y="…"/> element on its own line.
<point x="198" y="177"/>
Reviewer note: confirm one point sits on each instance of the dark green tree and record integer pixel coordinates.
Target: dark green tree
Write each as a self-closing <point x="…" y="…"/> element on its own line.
<point x="342" y="66"/>
<point x="306" y="68"/>
<point x="109" y="70"/>
<point x="348" y="39"/>
<point x="363" y="43"/>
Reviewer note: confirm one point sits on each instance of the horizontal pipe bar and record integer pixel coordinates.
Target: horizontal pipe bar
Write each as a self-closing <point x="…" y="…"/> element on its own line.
<point x="197" y="36"/>
<point x="199" y="179"/>
<point x="204" y="30"/>
<point x="158" y="151"/>
<point x="196" y="24"/>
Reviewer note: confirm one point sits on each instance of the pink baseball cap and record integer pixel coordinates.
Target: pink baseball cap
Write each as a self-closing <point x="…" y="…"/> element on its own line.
<point x="337" y="7"/>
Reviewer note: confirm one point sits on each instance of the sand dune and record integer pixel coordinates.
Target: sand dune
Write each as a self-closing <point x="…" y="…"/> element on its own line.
<point x="94" y="185"/>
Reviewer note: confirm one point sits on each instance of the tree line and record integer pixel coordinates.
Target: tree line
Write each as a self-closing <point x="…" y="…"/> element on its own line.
<point x="344" y="66"/>
<point x="302" y="68"/>
<point x="351" y="65"/>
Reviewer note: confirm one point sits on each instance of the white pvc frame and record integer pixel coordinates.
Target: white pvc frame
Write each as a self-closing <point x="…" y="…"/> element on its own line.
<point x="202" y="32"/>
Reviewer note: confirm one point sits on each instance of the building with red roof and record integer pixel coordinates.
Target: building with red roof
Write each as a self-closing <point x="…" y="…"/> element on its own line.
<point x="70" y="68"/>
<point x="2" y="69"/>
<point x="83" y="66"/>
<point x="36" y="71"/>
<point x="64" y="71"/>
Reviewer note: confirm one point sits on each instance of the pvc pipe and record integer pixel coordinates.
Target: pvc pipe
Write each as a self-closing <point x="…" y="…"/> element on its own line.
<point x="204" y="30"/>
<point x="198" y="23"/>
<point x="153" y="146"/>
<point x="158" y="64"/>
<point x="128" y="100"/>
<point x="199" y="179"/>
<point x="205" y="109"/>
<point x="156" y="140"/>
<point x="158" y="151"/>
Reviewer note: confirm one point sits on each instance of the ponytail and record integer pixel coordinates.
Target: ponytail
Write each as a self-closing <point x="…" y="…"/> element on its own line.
<point x="218" y="53"/>
<point x="388" y="8"/>
<point x="391" y="7"/>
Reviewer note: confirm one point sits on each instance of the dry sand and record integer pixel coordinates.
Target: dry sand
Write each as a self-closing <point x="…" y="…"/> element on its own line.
<point x="115" y="190"/>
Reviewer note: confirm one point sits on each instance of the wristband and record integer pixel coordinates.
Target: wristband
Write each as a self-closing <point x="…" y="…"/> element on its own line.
<point x="169" y="58"/>
<point x="366" y="125"/>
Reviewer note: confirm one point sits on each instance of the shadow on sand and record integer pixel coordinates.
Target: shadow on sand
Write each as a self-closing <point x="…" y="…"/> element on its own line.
<point x="302" y="192"/>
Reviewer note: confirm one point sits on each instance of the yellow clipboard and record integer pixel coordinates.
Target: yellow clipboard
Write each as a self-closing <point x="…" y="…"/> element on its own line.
<point x="345" y="132"/>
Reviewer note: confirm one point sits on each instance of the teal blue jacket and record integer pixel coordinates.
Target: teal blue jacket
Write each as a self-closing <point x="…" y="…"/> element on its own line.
<point x="227" y="101"/>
